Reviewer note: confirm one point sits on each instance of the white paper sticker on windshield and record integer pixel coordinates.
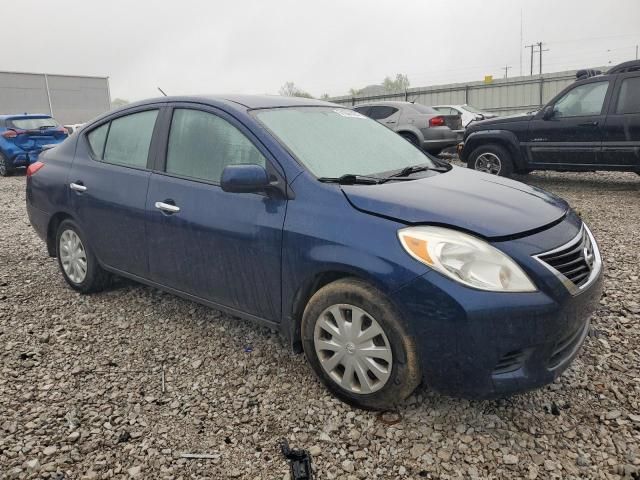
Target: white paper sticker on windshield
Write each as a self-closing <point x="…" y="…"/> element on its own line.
<point x="348" y="113"/>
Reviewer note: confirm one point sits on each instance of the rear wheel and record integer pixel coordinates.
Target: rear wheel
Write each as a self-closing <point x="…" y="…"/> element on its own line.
<point x="493" y="159"/>
<point x="78" y="264"/>
<point x="411" y="138"/>
<point x="358" y="347"/>
<point x="5" y="169"/>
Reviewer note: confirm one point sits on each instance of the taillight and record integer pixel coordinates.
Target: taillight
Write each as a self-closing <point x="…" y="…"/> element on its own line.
<point x="11" y="133"/>
<point x="436" y="122"/>
<point x="63" y="130"/>
<point x="33" y="168"/>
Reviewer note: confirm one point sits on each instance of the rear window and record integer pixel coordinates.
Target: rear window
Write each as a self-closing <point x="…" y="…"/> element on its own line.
<point x="32" y="123"/>
<point x="629" y="98"/>
<point x="422" y="109"/>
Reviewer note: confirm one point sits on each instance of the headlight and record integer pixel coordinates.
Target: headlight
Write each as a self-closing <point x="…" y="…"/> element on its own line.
<point x="465" y="258"/>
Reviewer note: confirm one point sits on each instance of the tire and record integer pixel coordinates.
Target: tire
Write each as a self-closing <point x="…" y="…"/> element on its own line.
<point x="411" y="138"/>
<point x="493" y="159"/>
<point x="5" y="170"/>
<point x="94" y="278"/>
<point x="395" y="381"/>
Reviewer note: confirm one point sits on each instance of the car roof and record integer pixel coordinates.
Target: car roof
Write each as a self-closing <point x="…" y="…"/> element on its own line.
<point x="25" y="115"/>
<point x="389" y="103"/>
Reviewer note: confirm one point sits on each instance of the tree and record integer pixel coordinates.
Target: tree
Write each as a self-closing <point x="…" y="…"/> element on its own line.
<point x="354" y="92"/>
<point x="289" y="89"/>
<point x="400" y="84"/>
<point x="119" y="102"/>
<point x="325" y="96"/>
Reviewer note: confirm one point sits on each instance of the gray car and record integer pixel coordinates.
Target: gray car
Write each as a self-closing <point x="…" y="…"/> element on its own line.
<point x="423" y="126"/>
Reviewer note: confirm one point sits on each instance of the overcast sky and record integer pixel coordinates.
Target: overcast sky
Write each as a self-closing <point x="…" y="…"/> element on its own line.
<point x="327" y="46"/>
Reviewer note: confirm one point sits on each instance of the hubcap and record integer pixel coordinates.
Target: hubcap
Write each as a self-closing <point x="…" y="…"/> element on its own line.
<point x="489" y="162"/>
<point x="73" y="256"/>
<point x="353" y="349"/>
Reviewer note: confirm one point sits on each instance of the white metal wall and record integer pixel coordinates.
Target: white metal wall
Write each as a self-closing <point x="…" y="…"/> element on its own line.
<point x="71" y="99"/>
<point x="502" y="96"/>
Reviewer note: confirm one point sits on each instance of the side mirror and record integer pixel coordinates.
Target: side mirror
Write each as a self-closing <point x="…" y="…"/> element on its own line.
<point x="244" y="179"/>
<point x="548" y="112"/>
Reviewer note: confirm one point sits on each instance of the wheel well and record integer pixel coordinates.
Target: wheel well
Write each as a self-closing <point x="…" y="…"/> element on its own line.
<point x="54" y="223"/>
<point x="301" y="299"/>
<point x="516" y="158"/>
<point x="407" y="133"/>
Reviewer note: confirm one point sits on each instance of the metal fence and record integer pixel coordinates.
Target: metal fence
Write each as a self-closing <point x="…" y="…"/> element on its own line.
<point x="70" y="99"/>
<point x="501" y="96"/>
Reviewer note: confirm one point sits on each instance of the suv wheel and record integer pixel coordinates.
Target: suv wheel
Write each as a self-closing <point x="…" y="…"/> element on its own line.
<point x="493" y="159"/>
<point x="78" y="264"/>
<point x="5" y="170"/>
<point x="357" y="346"/>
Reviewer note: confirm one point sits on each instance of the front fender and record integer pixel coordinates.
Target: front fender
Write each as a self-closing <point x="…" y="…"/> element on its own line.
<point x="504" y="138"/>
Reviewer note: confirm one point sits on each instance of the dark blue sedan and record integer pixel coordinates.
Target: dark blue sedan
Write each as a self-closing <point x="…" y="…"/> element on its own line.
<point x="386" y="266"/>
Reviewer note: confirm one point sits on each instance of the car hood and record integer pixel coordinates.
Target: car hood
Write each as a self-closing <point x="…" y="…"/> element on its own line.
<point x="490" y="122"/>
<point x="484" y="204"/>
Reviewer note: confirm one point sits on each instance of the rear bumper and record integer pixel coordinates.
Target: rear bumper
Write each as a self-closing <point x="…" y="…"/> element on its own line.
<point x="38" y="219"/>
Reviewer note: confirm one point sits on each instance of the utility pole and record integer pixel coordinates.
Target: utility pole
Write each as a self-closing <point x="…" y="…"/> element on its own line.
<point x="541" y="50"/>
<point x="506" y="70"/>
<point x="636" y="52"/>
<point x="531" y="47"/>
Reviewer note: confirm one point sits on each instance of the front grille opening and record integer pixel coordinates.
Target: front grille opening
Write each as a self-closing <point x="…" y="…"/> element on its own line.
<point x="574" y="261"/>
<point x="510" y="362"/>
<point x="565" y="347"/>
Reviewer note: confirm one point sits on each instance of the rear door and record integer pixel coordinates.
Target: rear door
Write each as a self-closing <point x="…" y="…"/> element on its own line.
<point x="621" y="143"/>
<point x="220" y="246"/>
<point x="572" y="137"/>
<point x="108" y="183"/>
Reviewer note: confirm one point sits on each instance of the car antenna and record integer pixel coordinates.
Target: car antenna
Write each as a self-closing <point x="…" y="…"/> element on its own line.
<point x="162" y="91"/>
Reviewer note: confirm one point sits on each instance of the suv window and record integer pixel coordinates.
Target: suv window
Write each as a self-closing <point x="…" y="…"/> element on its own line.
<point x="583" y="100"/>
<point x="127" y="140"/>
<point x="629" y="98"/>
<point x="381" y="111"/>
<point x="202" y="144"/>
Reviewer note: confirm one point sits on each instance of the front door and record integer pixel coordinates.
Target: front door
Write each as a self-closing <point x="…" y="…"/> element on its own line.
<point x="572" y="136"/>
<point x="219" y="246"/>
<point x="108" y="182"/>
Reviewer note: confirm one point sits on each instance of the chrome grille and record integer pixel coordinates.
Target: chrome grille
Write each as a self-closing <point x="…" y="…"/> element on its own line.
<point x="576" y="263"/>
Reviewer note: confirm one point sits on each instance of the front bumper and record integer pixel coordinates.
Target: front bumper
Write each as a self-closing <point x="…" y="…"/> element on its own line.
<point x="477" y="344"/>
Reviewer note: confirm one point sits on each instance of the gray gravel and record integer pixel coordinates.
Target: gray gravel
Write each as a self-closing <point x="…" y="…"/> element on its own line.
<point x="81" y="381"/>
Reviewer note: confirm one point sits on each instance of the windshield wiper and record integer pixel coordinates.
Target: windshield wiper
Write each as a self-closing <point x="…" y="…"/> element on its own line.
<point x="405" y="172"/>
<point x="45" y="127"/>
<point x="350" y="179"/>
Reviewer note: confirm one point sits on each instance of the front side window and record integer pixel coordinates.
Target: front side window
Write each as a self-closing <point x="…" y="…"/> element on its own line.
<point x="332" y="142"/>
<point x="201" y="145"/>
<point x="128" y="139"/>
<point x="629" y="98"/>
<point x="582" y="101"/>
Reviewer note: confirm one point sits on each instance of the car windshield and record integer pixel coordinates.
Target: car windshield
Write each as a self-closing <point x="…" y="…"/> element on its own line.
<point x="333" y="141"/>
<point x="30" y="123"/>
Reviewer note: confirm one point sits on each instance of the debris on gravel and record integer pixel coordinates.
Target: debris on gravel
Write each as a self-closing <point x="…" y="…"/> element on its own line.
<point x="121" y="384"/>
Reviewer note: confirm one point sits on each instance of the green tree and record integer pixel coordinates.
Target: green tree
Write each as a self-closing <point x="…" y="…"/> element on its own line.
<point x="289" y="89"/>
<point x="400" y="84"/>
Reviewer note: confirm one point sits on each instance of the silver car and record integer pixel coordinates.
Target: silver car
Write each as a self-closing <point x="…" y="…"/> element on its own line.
<point x="423" y="126"/>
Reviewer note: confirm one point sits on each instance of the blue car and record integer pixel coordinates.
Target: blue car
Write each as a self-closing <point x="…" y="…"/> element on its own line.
<point x="387" y="267"/>
<point x="23" y="137"/>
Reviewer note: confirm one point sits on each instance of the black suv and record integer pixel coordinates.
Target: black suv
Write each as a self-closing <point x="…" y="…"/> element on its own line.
<point x="593" y="124"/>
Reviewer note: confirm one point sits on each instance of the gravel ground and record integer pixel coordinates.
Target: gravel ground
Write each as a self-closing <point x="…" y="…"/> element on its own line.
<point x="81" y="381"/>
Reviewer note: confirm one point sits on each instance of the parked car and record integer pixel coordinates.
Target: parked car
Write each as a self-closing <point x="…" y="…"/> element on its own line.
<point x="22" y="138"/>
<point x="73" y="127"/>
<point x="384" y="265"/>
<point x="422" y="126"/>
<point x="593" y="124"/>
<point x="467" y="113"/>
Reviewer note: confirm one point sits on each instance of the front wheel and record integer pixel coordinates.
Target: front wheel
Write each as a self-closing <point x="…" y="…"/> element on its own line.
<point x="492" y="159"/>
<point x="358" y="347"/>
<point x="5" y="169"/>
<point x="78" y="264"/>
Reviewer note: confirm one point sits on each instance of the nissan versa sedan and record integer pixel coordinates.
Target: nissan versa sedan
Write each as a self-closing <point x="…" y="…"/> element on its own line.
<point x="387" y="267"/>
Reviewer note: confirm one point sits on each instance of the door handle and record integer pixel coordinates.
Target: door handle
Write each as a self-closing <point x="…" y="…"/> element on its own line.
<point x="77" y="187"/>
<point x="391" y="121"/>
<point x="588" y="124"/>
<point x="167" y="207"/>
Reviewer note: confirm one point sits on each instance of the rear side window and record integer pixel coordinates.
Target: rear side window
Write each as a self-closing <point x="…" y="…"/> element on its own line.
<point x="125" y="140"/>
<point x="363" y="110"/>
<point x="97" y="138"/>
<point x="629" y="98"/>
<point x="201" y="145"/>
<point x="380" y="112"/>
